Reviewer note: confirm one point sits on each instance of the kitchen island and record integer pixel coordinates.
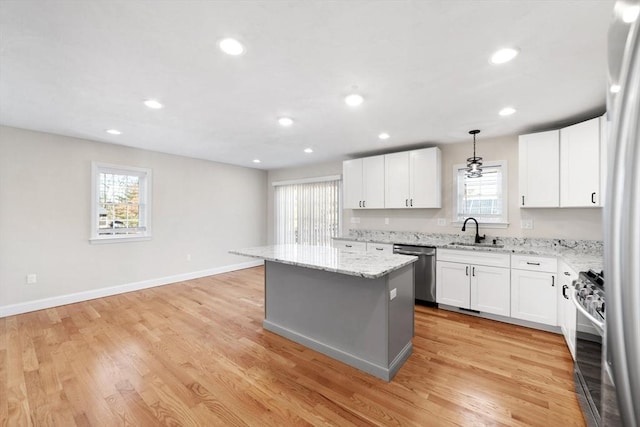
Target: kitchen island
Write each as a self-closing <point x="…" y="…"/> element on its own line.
<point x="355" y="307"/>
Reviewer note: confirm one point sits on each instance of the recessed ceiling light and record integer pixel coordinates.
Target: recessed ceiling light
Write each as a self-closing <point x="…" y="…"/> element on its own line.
<point x="630" y="14"/>
<point x="285" y="121"/>
<point x="354" y="100"/>
<point x="256" y="160"/>
<point x="504" y="55"/>
<point x="507" y="111"/>
<point x="114" y="132"/>
<point x="308" y="150"/>
<point x="152" y="103"/>
<point x="383" y="135"/>
<point x="231" y="47"/>
<point x="614" y="88"/>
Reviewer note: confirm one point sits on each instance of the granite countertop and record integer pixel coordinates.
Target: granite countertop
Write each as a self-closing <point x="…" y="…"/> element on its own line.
<point x="361" y="264"/>
<point x="580" y="255"/>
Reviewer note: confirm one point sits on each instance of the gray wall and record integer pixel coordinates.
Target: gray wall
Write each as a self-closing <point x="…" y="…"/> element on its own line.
<point x="573" y="223"/>
<point x="200" y="208"/>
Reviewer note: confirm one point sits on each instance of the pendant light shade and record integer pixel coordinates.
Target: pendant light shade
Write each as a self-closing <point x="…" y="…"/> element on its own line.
<point x="474" y="164"/>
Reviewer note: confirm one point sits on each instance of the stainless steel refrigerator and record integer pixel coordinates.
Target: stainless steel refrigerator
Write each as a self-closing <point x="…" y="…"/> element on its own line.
<point x="621" y="372"/>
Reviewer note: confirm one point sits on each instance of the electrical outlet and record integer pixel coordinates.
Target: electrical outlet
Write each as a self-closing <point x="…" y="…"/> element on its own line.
<point x="526" y="224"/>
<point x="386" y="221"/>
<point x="393" y="293"/>
<point x="355" y="220"/>
<point x="32" y="279"/>
<point x="188" y="257"/>
<point x="442" y="222"/>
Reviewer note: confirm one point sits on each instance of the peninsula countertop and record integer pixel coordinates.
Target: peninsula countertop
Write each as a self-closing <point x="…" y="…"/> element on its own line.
<point x="326" y="258"/>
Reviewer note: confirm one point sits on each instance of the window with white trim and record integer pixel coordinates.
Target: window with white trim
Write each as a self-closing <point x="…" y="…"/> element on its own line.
<point x="483" y="198"/>
<point x="120" y="203"/>
<point x="307" y="211"/>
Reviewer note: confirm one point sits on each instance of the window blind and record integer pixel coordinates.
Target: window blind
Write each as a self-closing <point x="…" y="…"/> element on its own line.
<point x="307" y="213"/>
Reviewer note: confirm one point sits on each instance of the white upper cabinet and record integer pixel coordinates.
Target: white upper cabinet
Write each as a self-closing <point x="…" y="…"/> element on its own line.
<point x="396" y="180"/>
<point x="412" y="179"/>
<point x="604" y="155"/>
<point x="580" y="165"/>
<point x="364" y="183"/>
<point x="539" y="170"/>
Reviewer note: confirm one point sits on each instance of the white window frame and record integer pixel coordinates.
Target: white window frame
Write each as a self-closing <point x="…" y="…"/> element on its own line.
<point x="504" y="223"/>
<point x="144" y="195"/>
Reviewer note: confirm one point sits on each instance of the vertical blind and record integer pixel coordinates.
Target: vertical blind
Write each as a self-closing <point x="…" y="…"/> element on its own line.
<point x="307" y="212"/>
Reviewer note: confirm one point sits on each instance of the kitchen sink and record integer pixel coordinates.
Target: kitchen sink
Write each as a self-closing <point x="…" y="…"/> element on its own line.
<point x="480" y="245"/>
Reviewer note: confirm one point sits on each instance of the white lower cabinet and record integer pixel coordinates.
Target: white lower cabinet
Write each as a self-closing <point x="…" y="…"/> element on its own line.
<point x="566" y="308"/>
<point x="380" y="248"/>
<point x="534" y="295"/>
<point x="463" y="282"/>
<point x="350" y="245"/>
<point x="356" y="246"/>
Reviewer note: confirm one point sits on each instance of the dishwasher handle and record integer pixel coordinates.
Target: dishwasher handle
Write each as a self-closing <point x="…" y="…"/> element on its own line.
<point x="419" y="251"/>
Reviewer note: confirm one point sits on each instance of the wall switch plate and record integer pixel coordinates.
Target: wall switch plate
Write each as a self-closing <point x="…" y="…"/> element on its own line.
<point x="188" y="257"/>
<point x="355" y="220"/>
<point x="393" y="293"/>
<point x="386" y="221"/>
<point x="32" y="279"/>
<point x="442" y="222"/>
<point x="526" y="224"/>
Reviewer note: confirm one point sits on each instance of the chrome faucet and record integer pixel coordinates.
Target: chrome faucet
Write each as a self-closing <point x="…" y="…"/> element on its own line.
<point x="478" y="238"/>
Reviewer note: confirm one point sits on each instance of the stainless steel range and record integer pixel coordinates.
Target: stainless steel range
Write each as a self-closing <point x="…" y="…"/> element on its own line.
<point x="589" y="299"/>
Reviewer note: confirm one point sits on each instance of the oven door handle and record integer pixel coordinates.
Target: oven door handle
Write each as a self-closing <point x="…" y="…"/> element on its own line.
<point x="598" y="324"/>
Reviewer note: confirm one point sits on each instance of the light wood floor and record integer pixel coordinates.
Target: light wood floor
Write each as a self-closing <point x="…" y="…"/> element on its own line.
<point x="195" y="354"/>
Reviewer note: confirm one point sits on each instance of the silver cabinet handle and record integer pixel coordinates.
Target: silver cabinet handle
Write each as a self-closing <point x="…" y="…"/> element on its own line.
<point x="379" y="249"/>
<point x="533" y="263"/>
<point x="593" y="198"/>
<point x="348" y="246"/>
<point x="411" y="203"/>
<point x="553" y="280"/>
<point x="364" y="203"/>
<point x="522" y="200"/>
<point x="466" y="272"/>
<point x="473" y="271"/>
<point x="406" y="202"/>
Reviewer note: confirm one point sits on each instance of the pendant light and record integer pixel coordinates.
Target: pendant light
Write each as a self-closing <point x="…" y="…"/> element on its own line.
<point x="474" y="164"/>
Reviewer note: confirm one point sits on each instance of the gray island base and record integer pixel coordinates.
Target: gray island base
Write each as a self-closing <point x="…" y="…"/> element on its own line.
<point x="365" y="320"/>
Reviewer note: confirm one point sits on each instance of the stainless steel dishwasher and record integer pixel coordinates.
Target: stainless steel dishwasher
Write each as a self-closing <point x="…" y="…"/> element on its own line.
<point x="424" y="271"/>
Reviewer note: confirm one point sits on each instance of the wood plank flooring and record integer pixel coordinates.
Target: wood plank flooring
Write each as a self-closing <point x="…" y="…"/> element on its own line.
<point x="195" y="354"/>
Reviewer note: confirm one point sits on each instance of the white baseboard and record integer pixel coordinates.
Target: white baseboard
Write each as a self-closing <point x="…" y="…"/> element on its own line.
<point x="40" y="304"/>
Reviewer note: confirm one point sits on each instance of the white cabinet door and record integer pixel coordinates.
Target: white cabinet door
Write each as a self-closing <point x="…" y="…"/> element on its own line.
<point x="452" y="284"/>
<point x="352" y="183"/>
<point x="604" y="155"/>
<point x="424" y="182"/>
<point x="580" y="164"/>
<point x="566" y="309"/>
<point x="490" y="290"/>
<point x="380" y="248"/>
<point x="539" y="169"/>
<point x="534" y="296"/>
<point x="350" y="245"/>
<point x="373" y="180"/>
<point x="396" y="169"/>
<point x="363" y="183"/>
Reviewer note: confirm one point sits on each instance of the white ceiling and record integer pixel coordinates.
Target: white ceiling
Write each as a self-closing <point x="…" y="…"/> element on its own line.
<point x="78" y="68"/>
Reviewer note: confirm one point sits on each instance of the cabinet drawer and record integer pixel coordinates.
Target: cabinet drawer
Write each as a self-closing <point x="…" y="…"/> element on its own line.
<point x="350" y="245"/>
<point x="490" y="259"/>
<point x="534" y="263"/>
<point x="384" y="248"/>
